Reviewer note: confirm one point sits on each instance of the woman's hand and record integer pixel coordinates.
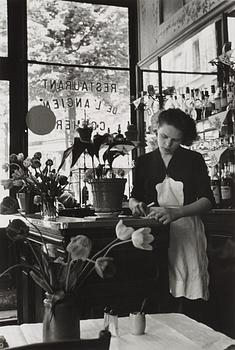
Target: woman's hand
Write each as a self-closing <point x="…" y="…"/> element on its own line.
<point x="165" y="215"/>
<point x="137" y="208"/>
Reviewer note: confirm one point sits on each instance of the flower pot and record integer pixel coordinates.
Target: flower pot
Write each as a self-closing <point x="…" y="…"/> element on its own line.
<point x="25" y="200"/>
<point x="61" y="321"/>
<point x="108" y="195"/>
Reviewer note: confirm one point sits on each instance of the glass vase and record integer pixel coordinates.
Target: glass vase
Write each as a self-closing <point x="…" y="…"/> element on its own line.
<point x="49" y="209"/>
<point x="60" y="321"/>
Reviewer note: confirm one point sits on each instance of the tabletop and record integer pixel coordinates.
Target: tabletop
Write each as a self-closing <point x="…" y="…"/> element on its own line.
<point x="163" y="331"/>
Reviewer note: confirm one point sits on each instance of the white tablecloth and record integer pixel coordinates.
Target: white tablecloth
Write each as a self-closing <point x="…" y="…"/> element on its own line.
<point x="163" y="332"/>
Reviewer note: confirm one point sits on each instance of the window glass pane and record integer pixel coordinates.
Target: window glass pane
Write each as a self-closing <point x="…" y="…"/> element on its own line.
<point x="231" y="30"/>
<point x="4" y="133"/>
<point x="102" y="96"/>
<point x="3" y="29"/>
<point x="77" y="33"/>
<point x="194" y="54"/>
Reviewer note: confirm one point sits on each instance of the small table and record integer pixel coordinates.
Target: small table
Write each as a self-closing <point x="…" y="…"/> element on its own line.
<point x="163" y="331"/>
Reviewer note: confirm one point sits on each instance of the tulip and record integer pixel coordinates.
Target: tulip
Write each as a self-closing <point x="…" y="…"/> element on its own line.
<point x="49" y="162"/>
<point x="27" y="162"/>
<point x="142" y="237"/>
<point x="79" y="247"/>
<point x="123" y="232"/>
<point x="35" y="163"/>
<point x="13" y="158"/>
<point x="105" y="267"/>
<point x="17" y="230"/>
<point x="37" y="199"/>
<point x="20" y="157"/>
<point x="37" y="155"/>
<point x="63" y="180"/>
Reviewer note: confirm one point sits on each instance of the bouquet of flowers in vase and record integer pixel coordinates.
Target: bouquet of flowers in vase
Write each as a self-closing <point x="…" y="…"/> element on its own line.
<point x="62" y="277"/>
<point x="44" y="183"/>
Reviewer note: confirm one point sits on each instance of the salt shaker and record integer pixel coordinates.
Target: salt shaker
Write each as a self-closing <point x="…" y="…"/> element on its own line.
<point x="113" y="322"/>
<point x="106" y="317"/>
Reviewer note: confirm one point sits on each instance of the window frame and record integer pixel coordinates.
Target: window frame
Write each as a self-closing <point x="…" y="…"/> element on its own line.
<point x="15" y="66"/>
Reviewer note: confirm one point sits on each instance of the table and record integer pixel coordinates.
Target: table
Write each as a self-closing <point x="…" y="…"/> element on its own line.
<point x="163" y="332"/>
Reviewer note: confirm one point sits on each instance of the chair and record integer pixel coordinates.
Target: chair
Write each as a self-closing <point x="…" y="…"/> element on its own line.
<point x="101" y="343"/>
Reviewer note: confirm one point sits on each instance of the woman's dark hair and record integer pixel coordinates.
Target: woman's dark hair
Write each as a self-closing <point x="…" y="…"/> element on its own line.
<point x="181" y="121"/>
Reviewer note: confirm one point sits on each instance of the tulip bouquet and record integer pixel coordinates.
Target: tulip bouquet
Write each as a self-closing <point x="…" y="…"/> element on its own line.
<point x="44" y="183"/>
<point x="62" y="277"/>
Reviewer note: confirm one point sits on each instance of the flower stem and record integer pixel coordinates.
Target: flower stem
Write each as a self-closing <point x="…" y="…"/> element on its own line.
<point x="67" y="276"/>
<point x="36" y="257"/>
<point x="95" y="255"/>
<point x="43" y="241"/>
<point x="116" y="244"/>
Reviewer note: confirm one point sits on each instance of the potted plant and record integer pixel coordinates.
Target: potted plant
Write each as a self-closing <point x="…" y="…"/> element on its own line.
<point x="107" y="183"/>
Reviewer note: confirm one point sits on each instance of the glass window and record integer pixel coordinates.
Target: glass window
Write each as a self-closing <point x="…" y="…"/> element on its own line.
<point x="4" y="133"/>
<point x="3" y="29"/>
<point x="78" y="57"/>
<point x="231" y="30"/>
<point x="78" y="33"/>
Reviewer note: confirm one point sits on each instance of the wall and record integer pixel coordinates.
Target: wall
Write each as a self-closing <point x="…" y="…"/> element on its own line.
<point x="154" y="36"/>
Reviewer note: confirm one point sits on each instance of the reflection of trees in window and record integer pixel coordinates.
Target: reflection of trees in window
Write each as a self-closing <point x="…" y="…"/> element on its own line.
<point x="68" y="32"/>
<point x="3" y="28"/>
<point x="63" y="35"/>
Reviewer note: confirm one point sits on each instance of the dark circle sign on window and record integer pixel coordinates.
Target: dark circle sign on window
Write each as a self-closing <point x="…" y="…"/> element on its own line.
<point x="40" y="120"/>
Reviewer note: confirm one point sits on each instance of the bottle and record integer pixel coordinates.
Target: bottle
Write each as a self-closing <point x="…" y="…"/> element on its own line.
<point x="218" y="99"/>
<point x="198" y="104"/>
<point x="85" y="194"/>
<point x="224" y="98"/>
<point x="212" y="99"/>
<point x="215" y="186"/>
<point x="207" y="104"/>
<point x="226" y="187"/>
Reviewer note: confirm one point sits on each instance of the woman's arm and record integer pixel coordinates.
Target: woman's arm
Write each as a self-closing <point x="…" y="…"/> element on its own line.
<point x="166" y="215"/>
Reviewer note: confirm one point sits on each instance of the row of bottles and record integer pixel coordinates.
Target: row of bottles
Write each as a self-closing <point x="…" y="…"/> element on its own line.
<point x="222" y="185"/>
<point x="202" y="103"/>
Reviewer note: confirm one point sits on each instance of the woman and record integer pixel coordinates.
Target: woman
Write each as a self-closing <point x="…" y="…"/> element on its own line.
<point x="176" y="180"/>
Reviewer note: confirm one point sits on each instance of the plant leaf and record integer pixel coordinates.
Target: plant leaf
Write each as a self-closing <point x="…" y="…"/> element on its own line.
<point x="40" y="281"/>
<point x="78" y="148"/>
<point x="65" y="156"/>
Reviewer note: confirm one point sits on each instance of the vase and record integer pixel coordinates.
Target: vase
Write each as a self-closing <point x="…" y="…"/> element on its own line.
<point x="60" y="321"/>
<point x="25" y="200"/>
<point x="108" y="195"/>
<point x="49" y="209"/>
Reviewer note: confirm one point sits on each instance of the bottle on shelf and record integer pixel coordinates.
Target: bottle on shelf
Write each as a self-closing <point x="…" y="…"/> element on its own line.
<point x="226" y="185"/>
<point x="223" y="96"/>
<point x="215" y="185"/>
<point x="212" y="99"/>
<point x="217" y="97"/>
<point x="85" y="194"/>
<point x="198" y="104"/>
<point x="207" y="105"/>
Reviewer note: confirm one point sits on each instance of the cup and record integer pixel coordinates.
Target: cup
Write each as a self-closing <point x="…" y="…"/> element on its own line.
<point x="137" y="323"/>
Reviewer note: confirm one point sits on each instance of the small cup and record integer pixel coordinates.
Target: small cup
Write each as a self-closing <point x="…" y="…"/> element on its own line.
<point x="137" y="322"/>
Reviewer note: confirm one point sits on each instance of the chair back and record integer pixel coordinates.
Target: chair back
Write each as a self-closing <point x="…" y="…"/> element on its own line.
<point x="101" y="343"/>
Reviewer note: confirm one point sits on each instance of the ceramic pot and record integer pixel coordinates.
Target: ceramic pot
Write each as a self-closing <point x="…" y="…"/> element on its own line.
<point x="61" y="321"/>
<point x="25" y="200"/>
<point x="108" y="195"/>
<point x="137" y="323"/>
